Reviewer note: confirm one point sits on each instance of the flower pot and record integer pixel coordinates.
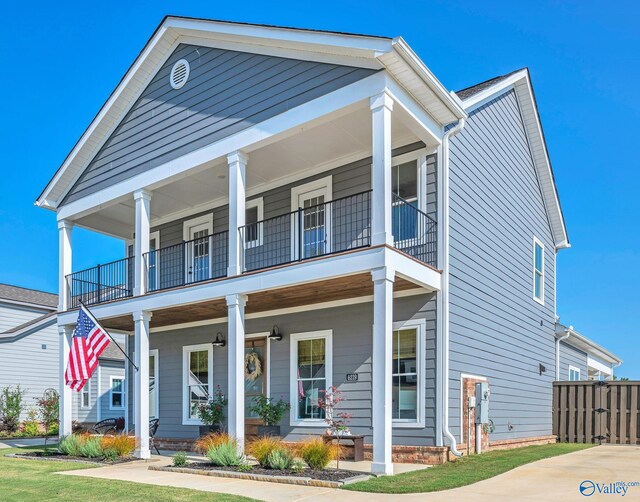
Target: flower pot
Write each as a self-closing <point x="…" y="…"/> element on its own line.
<point x="268" y="430"/>
<point x="208" y="429"/>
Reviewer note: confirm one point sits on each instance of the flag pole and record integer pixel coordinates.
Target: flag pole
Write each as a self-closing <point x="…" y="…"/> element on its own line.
<point x="108" y="334"/>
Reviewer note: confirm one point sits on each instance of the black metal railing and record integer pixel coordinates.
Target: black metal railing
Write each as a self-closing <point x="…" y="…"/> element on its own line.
<point x="414" y="232"/>
<point x="328" y="228"/>
<point x="101" y="283"/>
<point x="188" y="262"/>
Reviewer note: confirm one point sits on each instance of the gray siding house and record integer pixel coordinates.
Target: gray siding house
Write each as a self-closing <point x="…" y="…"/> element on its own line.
<point x="322" y="202"/>
<point x="29" y="355"/>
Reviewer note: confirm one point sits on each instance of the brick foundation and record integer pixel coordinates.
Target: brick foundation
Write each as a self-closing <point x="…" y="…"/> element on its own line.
<point x="507" y="444"/>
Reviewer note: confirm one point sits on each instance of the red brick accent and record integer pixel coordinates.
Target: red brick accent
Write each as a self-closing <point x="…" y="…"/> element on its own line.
<point x="468" y="390"/>
<point x="174" y="444"/>
<point x="429" y="455"/>
<point x="507" y="444"/>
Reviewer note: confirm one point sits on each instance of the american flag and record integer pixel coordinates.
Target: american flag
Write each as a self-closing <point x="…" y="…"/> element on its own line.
<point x="89" y="340"/>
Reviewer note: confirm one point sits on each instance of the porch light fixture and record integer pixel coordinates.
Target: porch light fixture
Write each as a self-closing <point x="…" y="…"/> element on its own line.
<point x="219" y="341"/>
<point x="275" y="333"/>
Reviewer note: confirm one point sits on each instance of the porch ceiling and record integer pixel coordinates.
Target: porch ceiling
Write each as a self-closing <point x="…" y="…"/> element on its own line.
<point x="344" y="139"/>
<point x="342" y="288"/>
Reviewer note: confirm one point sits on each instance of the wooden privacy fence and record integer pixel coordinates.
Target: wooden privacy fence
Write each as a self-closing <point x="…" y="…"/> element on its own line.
<point x="596" y="412"/>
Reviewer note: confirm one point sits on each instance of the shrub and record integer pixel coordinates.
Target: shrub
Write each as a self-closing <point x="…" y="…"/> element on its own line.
<point x="180" y="459"/>
<point x="212" y="412"/>
<point x="203" y="444"/>
<point x="121" y="443"/>
<point x="31" y="428"/>
<point x="110" y="454"/>
<point x="245" y="467"/>
<point x="261" y="447"/>
<point x="70" y="445"/>
<point x="225" y="454"/>
<point x="269" y="412"/>
<point x="280" y="458"/>
<point x="316" y="453"/>
<point x="11" y="407"/>
<point x="90" y="447"/>
<point x="297" y="465"/>
<point x="48" y="410"/>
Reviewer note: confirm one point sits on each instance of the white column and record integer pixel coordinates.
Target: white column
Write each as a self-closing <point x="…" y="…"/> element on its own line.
<point x="65" y="402"/>
<point x="142" y="200"/>
<point x="237" y="188"/>
<point x="382" y="369"/>
<point x="64" y="263"/>
<point x="381" y="232"/>
<point x="141" y="386"/>
<point x="235" y="344"/>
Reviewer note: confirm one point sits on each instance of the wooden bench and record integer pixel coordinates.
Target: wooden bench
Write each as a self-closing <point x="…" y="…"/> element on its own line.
<point x="357" y="441"/>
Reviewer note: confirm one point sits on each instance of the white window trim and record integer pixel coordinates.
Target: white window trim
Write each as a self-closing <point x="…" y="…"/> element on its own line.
<point x="259" y="203"/>
<point x="130" y="242"/>
<point x="156" y="377"/>
<point x="421" y="329"/>
<point x="124" y="384"/>
<point x="186" y="419"/>
<point x="325" y="184"/>
<point x="534" y="271"/>
<point x="87" y="386"/>
<point x="293" y="374"/>
<point x="577" y="370"/>
<point x="205" y="219"/>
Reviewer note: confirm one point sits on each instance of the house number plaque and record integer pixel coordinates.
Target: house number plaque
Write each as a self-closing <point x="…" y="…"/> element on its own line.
<point x="352" y="377"/>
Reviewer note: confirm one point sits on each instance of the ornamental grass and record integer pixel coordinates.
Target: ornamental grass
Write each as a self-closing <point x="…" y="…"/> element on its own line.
<point x="123" y="444"/>
<point x="205" y="443"/>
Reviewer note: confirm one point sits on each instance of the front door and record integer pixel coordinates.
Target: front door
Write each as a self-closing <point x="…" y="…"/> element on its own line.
<point x="255" y="380"/>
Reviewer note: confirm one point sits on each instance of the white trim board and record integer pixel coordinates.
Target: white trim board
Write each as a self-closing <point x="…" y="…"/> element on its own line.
<point x="186" y="349"/>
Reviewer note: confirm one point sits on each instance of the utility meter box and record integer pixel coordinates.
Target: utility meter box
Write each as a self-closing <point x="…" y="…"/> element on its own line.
<point x="482" y="403"/>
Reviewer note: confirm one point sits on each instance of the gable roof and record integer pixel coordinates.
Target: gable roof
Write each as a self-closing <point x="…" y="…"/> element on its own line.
<point x="16" y="294"/>
<point x="392" y="54"/>
<point x="583" y="343"/>
<point x="28" y="327"/>
<point x="520" y="81"/>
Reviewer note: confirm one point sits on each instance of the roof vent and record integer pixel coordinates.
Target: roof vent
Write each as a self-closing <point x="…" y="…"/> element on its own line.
<point x="179" y="74"/>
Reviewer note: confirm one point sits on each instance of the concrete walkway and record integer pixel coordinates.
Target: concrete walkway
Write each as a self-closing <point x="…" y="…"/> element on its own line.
<point x="555" y="478"/>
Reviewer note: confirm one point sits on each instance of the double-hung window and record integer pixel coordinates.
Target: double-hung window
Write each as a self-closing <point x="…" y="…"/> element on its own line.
<point x="117" y="393"/>
<point x="407" y="373"/>
<point x="311" y="368"/>
<point x="197" y="375"/>
<point x="574" y="374"/>
<point x="85" y="396"/>
<point x="538" y="271"/>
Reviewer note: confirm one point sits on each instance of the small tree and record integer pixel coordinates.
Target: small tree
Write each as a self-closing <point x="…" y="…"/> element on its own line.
<point x="11" y="407"/>
<point x="337" y="421"/>
<point x="48" y="407"/>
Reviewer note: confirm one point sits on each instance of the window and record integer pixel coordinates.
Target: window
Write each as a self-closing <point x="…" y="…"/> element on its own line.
<point x="574" y="374"/>
<point x="407" y="374"/>
<point x="117" y="393"/>
<point x="538" y="271"/>
<point x="404" y="181"/>
<point x="408" y="182"/>
<point x="253" y="221"/>
<point x="311" y="372"/>
<point x="154" y="405"/>
<point x="197" y="384"/>
<point x="85" y="396"/>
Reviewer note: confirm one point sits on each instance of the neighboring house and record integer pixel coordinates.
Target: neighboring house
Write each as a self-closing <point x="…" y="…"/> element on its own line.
<point x="322" y="200"/>
<point x="578" y="358"/>
<point x="29" y="355"/>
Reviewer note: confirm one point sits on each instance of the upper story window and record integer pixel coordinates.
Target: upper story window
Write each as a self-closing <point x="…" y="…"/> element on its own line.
<point x="117" y="393"/>
<point x="538" y="271"/>
<point x="404" y="181"/>
<point x="574" y="374"/>
<point x="253" y="215"/>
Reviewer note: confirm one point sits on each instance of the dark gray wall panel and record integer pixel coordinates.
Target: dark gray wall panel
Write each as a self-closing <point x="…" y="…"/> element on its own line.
<point x="227" y="91"/>
<point x="497" y="330"/>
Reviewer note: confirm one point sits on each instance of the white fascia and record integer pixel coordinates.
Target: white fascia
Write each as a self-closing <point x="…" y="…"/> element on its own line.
<point x="311" y="114"/>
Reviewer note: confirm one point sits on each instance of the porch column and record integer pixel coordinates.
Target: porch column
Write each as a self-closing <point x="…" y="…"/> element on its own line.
<point x="64" y="263"/>
<point x="382" y="369"/>
<point x="237" y="180"/>
<point x="235" y="344"/>
<point x="142" y="200"/>
<point x="66" y="398"/>
<point x="381" y="232"/>
<point x="141" y="386"/>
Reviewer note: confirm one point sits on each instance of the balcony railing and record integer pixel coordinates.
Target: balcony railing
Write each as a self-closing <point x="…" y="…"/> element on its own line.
<point x="414" y="232"/>
<point x="102" y="283"/>
<point x="310" y="232"/>
<point x="188" y="262"/>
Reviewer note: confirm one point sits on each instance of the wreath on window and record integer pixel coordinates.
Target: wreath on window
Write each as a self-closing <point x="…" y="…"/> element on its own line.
<point x="252" y="366"/>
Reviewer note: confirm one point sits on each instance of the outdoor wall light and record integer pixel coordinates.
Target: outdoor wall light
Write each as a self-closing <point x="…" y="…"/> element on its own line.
<point x="219" y="341"/>
<point x="275" y="333"/>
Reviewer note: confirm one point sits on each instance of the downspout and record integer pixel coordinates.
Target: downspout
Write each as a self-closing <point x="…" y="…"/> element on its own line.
<point x="445" y="284"/>
<point x="614" y="366"/>
<point x="567" y="333"/>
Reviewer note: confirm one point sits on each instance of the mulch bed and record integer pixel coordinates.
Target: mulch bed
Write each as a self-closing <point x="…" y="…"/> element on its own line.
<point x="55" y="456"/>
<point x="324" y="475"/>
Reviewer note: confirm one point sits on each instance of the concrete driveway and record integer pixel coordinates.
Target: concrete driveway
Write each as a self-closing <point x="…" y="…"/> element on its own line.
<point x="556" y="478"/>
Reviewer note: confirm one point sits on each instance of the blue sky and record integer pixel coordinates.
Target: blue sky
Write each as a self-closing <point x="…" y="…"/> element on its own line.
<point x="62" y="59"/>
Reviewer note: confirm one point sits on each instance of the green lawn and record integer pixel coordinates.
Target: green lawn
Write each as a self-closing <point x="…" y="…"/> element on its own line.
<point x="464" y="471"/>
<point x="29" y="480"/>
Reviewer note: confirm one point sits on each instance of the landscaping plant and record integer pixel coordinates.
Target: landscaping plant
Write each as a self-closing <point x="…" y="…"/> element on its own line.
<point x="261" y="447"/>
<point x="316" y="453"/>
<point x="48" y="407"/>
<point x="203" y="444"/>
<point x="31" y="427"/>
<point x="180" y="459"/>
<point x="212" y="412"/>
<point x="110" y="454"/>
<point x="90" y="447"/>
<point x="70" y="445"/>
<point x="11" y="407"/>
<point x="269" y="412"/>
<point x="337" y="421"/>
<point x="122" y="444"/>
<point x="280" y="459"/>
<point x="225" y="455"/>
